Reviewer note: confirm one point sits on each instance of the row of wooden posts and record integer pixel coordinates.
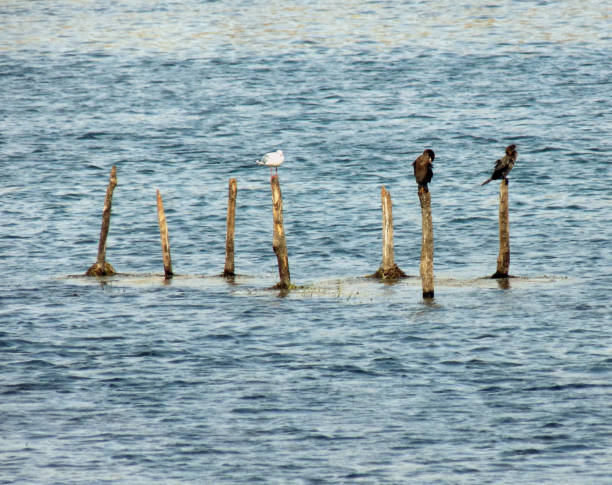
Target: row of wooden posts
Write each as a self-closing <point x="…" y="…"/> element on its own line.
<point x="388" y="269"/>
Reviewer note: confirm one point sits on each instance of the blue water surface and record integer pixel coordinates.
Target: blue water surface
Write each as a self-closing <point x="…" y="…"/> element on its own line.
<point x="133" y="379"/>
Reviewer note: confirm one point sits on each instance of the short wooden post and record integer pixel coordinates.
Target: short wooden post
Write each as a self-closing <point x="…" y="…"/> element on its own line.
<point x="279" y="244"/>
<point x="101" y="267"/>
<point x="229" y="237"/>
<point x="503" y="259"/>
<point x="427" y="246"/>
<point x="387" y="230"/>
<point x="163" y="232"/>
<point x="388" y="269"/>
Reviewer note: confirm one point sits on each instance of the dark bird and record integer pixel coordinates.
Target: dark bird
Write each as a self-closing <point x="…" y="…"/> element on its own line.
<point x="503" y="165"/>
<point x="423" y="168"/>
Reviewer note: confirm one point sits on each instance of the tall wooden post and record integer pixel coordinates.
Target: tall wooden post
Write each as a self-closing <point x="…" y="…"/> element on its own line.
<point x="503" y="259"/>
<point x="388" y="269"/>
<point x="163" y="232"/>
<point x="427" y="246"/>
<point x="101" y="267"/>
<point x="279" y="244"/>
<point x="231" y="223"/>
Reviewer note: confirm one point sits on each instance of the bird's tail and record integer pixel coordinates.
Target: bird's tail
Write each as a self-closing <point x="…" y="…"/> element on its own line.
<point x="486" y="182"/>
<point x="259" y="162"/>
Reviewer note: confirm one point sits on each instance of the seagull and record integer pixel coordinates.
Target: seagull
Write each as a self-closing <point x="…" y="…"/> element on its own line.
<point x="423" y="168"/>
<point x="272" y="159"/>
<point x="503" y="165"/>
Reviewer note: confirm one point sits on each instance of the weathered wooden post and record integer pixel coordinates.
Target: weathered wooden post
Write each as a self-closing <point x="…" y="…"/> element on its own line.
<point x="279" y="244"/>
<point x="388" y="269"/>
<point x="165" y="242"/>
<point x="427" y="247"/>
<point x="228" y="270"/>
<point x="503" y="259"/>
<point x="101" y="267"/>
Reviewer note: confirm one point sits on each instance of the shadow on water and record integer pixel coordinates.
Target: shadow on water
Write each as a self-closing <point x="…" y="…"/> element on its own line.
<point x="503" y="283"/>
<point x="431" y="303"/>
<point x="230" y="280"/>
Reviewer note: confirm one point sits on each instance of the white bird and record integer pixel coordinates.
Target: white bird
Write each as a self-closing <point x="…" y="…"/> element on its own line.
<point x="272" y="159"/>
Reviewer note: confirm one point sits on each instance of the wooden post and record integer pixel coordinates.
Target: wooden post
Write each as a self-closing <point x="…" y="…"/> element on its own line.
<point x="503" y="259"/>
<point x="387" y="230"/>
<point x="388" y="269"/>
<point x="101" y="267"/>
<point x="427" y="246"/>
<point x="279" y="244"/>
<point x="231" y="222"/>
<point x="163" y="232"/>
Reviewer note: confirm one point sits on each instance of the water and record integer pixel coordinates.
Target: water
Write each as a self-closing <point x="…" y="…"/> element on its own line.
<point x="200" y="380"/>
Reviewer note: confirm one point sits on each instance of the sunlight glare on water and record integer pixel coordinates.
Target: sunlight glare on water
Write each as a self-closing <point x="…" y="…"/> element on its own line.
<point x="208" y="28"/>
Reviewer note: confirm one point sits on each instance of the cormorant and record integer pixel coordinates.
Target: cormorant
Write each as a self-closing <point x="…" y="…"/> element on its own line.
<point x="503" y="165"/>
<point x="423" y="168"/>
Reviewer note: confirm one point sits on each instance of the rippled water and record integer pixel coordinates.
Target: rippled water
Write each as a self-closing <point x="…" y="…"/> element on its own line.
<point x="133" y="380"/>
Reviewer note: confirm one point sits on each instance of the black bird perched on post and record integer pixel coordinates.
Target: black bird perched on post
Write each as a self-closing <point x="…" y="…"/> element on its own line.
<point x="423" y="168"/>
<point x="503" y="165"/>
